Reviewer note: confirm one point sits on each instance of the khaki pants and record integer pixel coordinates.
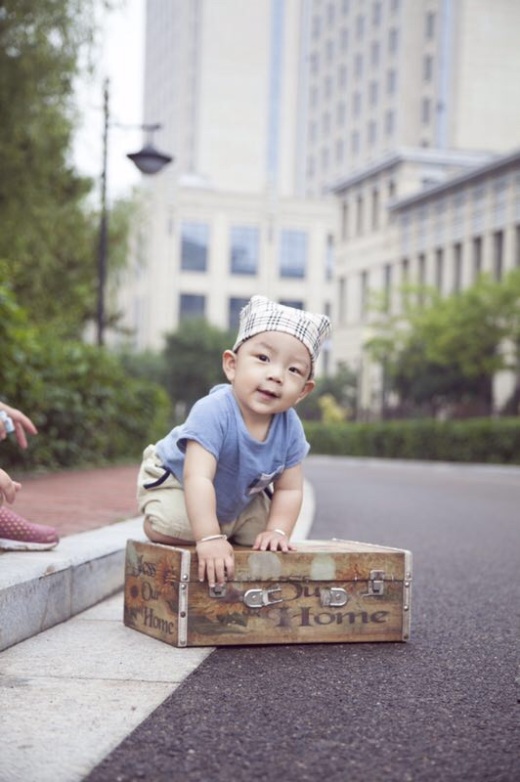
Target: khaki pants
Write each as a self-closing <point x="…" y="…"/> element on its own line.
<point x="161" y="499"/>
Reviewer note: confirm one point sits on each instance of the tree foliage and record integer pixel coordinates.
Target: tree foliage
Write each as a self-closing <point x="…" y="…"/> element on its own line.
<point x="48" y="237"/>
<point x="193" y="360"/>
<point x="446" y="350"/>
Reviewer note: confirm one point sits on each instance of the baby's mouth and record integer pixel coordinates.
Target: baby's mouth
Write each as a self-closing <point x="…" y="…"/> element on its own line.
<point x="269" y="394"/>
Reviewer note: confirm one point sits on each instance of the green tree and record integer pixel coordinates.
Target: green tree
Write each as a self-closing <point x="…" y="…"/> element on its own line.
<point x="48" y="236"/>
<point x="193" y="360"/>
<point x="443" y="350"/>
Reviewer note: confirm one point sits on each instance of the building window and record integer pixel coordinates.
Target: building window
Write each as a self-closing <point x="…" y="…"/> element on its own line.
<point x="325" y="158"/>
<point x="374" y="53"/>
<point x="359" y="215"/>
<point x="194" y="247"/>
<point x="344" y="39"/>
<point x="325" y="123"/>
<point x="244" y="249"/>
<point x="428" y="68"/>
<point x="360" y="26"/>
<point x="392" y="40"/>
<point x="387" y="287"/>
<point x="477" y="257"/>
<point x="426" y="111"/>
<point x="405" y="271"/>
<point x="340" y="151"/>
<point x="422" y="270"/>
<point x="342" y="303"/>
<point x="389" y="123"/>
<point x="293" y="253"/>
<point x="376" y="14"/>
<point x="329" y="258"/>
<point x="498" y="254"/>
<point x="391" y="81"/>
<point x="372" y="132"/>
<point x="439" y="269"/>
<point x="356" y="104"/>
<point x="344" y="221"/>
<point x="358" y="65"/>
<point x="375" y="209"/>
<point x="234" y="308"/>
<point x="373" y="90"/>
<point x="457" y="268"/>
<point x="191" y="306"/>
<point x="430" y="25"/>
<point x="296" y="304"/>
<point x="342" y="75"/>
<point x="363" y="299"/>
<point x="341" y="114"/>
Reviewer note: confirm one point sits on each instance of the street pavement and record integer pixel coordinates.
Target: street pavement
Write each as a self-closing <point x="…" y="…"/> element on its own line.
<point x="443" y="707"/>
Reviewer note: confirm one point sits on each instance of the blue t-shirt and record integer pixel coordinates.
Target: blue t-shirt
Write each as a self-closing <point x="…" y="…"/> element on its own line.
<point x="245" y="466"/>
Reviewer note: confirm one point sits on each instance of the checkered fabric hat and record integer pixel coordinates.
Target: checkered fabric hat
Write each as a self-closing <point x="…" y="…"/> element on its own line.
<point x="262" y="314"/>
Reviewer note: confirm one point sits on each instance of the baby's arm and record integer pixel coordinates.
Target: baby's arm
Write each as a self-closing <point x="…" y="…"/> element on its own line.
<point x="285" y="507"/>
<point x="215" y="555"/>
<point x="8" y="487"/>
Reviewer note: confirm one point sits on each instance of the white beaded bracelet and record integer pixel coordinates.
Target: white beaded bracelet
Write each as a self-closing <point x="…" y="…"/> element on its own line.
<point x="279" y="531"/>
<point x="212" y="537"/>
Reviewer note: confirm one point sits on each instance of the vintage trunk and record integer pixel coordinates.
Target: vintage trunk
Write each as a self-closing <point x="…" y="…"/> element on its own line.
<point x="333" y="591"/>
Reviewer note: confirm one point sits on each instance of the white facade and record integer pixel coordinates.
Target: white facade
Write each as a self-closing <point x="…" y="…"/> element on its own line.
<point x="205" y="254"/>
<point x="222" y="78"/>
<point x="383" y="74"/>
<point x="443" y="236"/>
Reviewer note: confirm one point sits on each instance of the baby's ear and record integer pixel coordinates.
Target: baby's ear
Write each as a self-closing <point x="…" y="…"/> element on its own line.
<point x="308" y="387"/>
<point x="229" y="362"/>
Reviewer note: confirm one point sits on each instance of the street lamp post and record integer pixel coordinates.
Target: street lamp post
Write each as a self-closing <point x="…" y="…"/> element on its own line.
<point x="149" y="161"/>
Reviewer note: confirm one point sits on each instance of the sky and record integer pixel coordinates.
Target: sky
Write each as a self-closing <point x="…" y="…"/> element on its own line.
<point x="122" y="62"/>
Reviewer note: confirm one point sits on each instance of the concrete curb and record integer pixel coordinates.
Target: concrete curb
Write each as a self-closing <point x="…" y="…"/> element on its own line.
<point x="40" y="589"/>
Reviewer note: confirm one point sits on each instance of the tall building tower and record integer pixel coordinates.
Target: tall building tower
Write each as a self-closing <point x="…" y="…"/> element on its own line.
<point x="223" y="77"/>
<point x="383" y="74"/>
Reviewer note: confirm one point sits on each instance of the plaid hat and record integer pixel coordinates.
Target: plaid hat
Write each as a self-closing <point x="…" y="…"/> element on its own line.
<point x="262" y="314"/>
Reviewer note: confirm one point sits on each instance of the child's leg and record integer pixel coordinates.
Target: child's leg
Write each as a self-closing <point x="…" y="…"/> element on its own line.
<point x="161" y="499"/>
<point x="251" y="521"/>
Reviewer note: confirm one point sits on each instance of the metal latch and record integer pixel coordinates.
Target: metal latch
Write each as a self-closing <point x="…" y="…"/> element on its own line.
<point x="256" y="598"/>
<point x="219" y="590"/>
<point x="376" y="582"/>
<point x="335" y="597"/>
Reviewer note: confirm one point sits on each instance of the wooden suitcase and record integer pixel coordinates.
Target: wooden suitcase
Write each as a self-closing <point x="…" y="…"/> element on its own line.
<point x="324" y="592"/>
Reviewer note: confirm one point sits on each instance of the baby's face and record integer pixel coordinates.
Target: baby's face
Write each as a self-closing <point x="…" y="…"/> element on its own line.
<point x="269" y="372"/>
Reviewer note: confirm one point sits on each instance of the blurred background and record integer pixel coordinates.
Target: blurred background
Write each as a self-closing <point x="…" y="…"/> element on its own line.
<point x="359" y="158"/>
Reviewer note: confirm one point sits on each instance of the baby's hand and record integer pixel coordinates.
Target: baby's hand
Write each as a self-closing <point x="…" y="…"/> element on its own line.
<point x="216" y="560"/>
<point x="272" y="540"/>
<point x="8" y="487"/>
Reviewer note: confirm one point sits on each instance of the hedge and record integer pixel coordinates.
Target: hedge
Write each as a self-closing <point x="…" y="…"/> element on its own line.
<point x="87" y="409"/>
<point x="479" y="440"/>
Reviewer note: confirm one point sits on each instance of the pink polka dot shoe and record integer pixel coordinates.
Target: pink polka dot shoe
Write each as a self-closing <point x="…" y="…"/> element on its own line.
<point x="17" y="534"/>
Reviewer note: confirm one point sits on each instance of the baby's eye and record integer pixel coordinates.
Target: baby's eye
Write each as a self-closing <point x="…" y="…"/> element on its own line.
<point x="262" y="357"/>
<point x="295" y="370"/>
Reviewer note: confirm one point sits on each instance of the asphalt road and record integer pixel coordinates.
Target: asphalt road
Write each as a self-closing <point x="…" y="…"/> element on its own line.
<point x="443" y="707"/>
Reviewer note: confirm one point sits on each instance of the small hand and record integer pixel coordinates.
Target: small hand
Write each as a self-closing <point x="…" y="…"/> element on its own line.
<point x="272" y="540"/>
<point x="216" y="560"/>
<point x="8" y="487"/>
<point x="22" y="425"/>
